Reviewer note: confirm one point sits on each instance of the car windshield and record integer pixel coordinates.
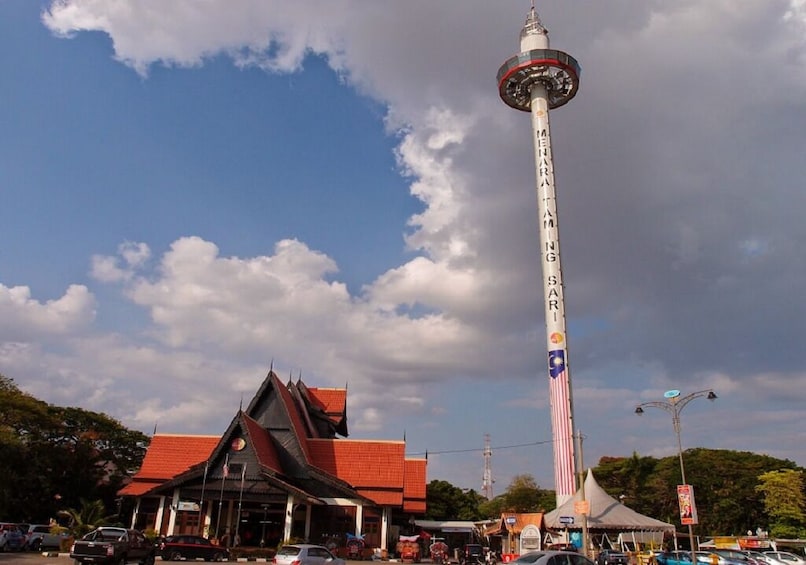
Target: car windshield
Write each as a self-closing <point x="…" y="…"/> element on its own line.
<point x="288" y="550"/>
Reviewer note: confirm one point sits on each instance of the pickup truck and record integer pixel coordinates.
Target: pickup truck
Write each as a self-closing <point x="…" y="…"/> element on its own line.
<point x="611" y="557"/>
<point x="113" y="546"/>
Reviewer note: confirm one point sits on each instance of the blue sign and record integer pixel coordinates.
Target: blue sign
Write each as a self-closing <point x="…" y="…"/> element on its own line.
<point x="566" y="519"/>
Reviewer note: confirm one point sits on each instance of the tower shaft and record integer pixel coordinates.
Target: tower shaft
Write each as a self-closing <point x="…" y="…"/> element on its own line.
<point x="537" y="80"/>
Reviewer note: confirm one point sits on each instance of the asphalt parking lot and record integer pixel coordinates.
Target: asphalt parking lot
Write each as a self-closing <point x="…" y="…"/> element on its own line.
<point x="33" y="558"/>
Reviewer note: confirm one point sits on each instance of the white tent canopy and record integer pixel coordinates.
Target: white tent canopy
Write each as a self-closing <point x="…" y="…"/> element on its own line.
<point x="606" y="513"/>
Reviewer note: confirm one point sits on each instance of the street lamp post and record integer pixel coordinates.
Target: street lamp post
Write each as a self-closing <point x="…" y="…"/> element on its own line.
<point x="674" y="404"/>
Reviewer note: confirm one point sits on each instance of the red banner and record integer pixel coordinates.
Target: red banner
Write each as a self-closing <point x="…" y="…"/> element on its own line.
<point x="688" y="509"/>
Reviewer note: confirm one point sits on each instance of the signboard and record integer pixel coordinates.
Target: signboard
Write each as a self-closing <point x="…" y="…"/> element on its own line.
<point x="530" y="538"/>
<point x="185" y="506"/>
<point x="582" y="507"/>
<point x="566" y="519"/>
<point x="688" y="509"/>
<point x="511" y="520"/>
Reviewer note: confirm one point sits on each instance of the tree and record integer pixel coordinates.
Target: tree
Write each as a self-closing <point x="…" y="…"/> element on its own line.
<point x="724" y="483"/>
<point x="524" y="495"/>
<point x="445" y="501"/>
<point x="784" y="502"/>
<point x="89" y="516"/>
<point x="52" y="457"/>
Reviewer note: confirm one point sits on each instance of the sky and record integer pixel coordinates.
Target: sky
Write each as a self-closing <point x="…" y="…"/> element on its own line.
<point x="192" y="193"/>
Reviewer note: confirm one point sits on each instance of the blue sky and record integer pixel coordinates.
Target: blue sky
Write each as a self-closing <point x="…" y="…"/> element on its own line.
<point x="189" y="193"/>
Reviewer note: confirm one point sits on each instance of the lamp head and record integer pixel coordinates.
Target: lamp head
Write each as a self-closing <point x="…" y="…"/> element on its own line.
<point x="711" y="395"/>
<point x="639" y="410"/>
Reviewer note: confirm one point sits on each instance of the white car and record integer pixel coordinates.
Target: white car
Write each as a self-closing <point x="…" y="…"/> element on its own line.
<point x="305" y="554"/>
<point x="785" y="557"/>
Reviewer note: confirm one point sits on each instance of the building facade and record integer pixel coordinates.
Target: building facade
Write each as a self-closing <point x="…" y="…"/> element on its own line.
<point x="280" y="472"/>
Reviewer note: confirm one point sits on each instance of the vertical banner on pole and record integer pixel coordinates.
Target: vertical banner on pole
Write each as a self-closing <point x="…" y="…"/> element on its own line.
<point x="688" y="509"/>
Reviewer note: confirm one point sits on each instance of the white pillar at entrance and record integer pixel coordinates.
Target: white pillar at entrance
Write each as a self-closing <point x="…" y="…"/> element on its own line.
<point x="385" y="527"/>
<point x="172" y="517"/>
<point x="307" y="522"/>
<point x="289" y="517"/>
<point x="134" y="514"/>
<point x="158" y="519"/>
<point x="359" y="518"/>
<point x="208" y="520"/>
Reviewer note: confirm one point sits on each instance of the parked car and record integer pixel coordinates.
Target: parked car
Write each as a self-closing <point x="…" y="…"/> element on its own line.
<point x="472" y="553"/>
<point x="562" y="547"/>
<point x="737" y="556"/>
<point x="679" y="558"/>
<point x="44" y="536"/>
<point x="715" y="557"/>
<point x="11" y="537"/>
<point x="763" y="558"/>
<point x="550" y="557"/>
<point x="174" y="548"/>
<point x="114" y="546"/>
<point x="611" y="557"/>
<point x="305" y="554"/>
<point x="786" y="557"/>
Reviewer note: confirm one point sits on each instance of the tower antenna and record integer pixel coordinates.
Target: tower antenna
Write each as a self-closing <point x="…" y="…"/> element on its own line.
<point x="487" y="479"/>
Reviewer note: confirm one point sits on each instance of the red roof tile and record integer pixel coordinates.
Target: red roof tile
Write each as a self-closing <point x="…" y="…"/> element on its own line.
<point x="170" y="455"/>
<point x="331" y="400"/>
<point x="414" y="491"/>
<point x="415" y="478"/>
<point x="383" y="497"/>
<point x="363" y="464"/>
<point x="136" y="488"/>
<point x="261" y="442"/>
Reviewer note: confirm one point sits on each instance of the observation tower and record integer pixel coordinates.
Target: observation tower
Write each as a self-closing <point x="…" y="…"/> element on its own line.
<point x="537" y="80"/>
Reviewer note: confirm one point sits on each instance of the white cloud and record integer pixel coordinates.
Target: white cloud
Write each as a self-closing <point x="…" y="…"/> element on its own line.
<point x="23" y="318"/>
<point x="681" y="128"/>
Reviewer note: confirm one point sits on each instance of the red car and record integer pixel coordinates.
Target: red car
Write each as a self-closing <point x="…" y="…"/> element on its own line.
<point x="174" y="548"/>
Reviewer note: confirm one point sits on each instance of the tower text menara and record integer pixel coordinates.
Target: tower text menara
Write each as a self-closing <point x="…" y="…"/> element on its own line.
<point x="536" y="80"/>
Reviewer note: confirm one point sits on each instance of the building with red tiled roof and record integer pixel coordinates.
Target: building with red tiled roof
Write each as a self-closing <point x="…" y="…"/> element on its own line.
<point x="280" y="472"/>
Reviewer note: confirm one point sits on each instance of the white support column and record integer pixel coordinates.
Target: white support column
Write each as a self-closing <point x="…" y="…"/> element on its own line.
<point x="134" y="514"/>
<point x="158" y="519"/>
<point x="172" y="517"/>
<point x="307" y="522"/>
<point x="359" y="518"/>
<point x="289" y="517"/>
<point x="385" y="527"/>
<point x="208" y="520"/>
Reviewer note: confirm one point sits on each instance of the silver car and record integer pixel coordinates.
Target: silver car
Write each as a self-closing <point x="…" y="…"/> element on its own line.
<point x="552" y="558"/>
<point x="785" y="557"/>
<point x="305" y="554"/>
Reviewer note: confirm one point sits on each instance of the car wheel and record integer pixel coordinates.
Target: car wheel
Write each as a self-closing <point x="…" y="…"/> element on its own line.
<point x="36" y="545"/>
<point x="148" y="560"/>
<point x="175" y="556"/>
<point x="218" y="557"/>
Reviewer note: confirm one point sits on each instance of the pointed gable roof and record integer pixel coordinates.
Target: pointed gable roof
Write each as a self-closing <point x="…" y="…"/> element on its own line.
<point x="606" y="513"/>
<point x="279" y="433"/>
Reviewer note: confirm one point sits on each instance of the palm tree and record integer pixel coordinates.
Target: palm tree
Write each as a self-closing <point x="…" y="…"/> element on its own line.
<point x="91" y="515"/>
